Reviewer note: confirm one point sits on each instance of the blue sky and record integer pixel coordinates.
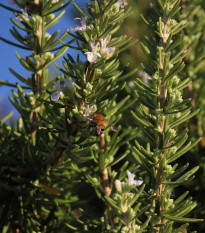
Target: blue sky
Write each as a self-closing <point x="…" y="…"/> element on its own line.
<point x="7" y="52"/>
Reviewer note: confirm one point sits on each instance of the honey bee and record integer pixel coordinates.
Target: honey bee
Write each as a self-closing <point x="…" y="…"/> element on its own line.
<point x="99" y="121"/>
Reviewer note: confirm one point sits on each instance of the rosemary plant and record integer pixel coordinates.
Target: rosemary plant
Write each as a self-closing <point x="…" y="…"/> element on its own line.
<point x="67" y="165"/>
<point x="53" y="155"/>
<point x="25" y="203"/>
<point x="194" y="13"/>
<point x="161" y="117"/>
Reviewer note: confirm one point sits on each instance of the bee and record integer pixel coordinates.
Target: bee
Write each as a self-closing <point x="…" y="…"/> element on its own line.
<point x="99" y="121"/>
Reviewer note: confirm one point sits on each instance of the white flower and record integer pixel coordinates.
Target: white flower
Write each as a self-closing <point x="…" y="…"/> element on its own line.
<point x="122" y="3"/>
<point x="131" y="179"/>
<point x="24" y="14"/>
<point x="131" y="84"/>
<point x="88" y="110"/>
<point x="56" y="95"/>
<point x="92" y="56"/>
<point x="12" y="2"/>
<point x="81" y="28"/>
<point x="104" y="48"/>
<point x="143" y="75"/>
<point x="47" y="35"/>
<point x="68" y="83"/>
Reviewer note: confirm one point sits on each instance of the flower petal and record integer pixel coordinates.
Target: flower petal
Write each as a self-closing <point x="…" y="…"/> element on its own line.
<point x="91" y="57"/>
<point x="94" y="47"/>
<point x="81" y="28"/>
<point x="77" y="28"/>
<point x="56" y="95"/>
<point x="87" y="115"/>
<point x="131" y="179"/>
<point x="122" y="3"/>
<point x="138" y="182"/>
<point x="68" y="83"/>
<point x="57" y="85"/>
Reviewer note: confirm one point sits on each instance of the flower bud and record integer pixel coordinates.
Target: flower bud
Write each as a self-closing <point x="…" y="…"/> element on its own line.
<point x="118" y="186"/>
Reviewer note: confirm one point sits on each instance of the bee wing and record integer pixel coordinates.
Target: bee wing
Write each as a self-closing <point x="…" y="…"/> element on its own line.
<point x="114" y="128"/>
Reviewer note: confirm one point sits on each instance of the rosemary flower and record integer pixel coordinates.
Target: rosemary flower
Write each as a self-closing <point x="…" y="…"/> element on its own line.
<point x="104" y="49"/>
<point x="68" y="83"/>
<point x="92" y="56"/>
<point x="56" y="95"/>
<point x="87" y="115"/>
<point x="81" y="28"/>
<point x="122" y="3"/>
<point x="24" y="15"/>
<point x="131" y="179"/>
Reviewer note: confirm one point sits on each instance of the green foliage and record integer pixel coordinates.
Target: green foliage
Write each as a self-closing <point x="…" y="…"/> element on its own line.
<point x="161" y="113"/>
<point x="64" y="165"/>
<point x="193" y="39"/>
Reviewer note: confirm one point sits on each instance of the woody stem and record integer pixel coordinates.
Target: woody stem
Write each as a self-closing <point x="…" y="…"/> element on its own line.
<point x="105" y="181"/>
